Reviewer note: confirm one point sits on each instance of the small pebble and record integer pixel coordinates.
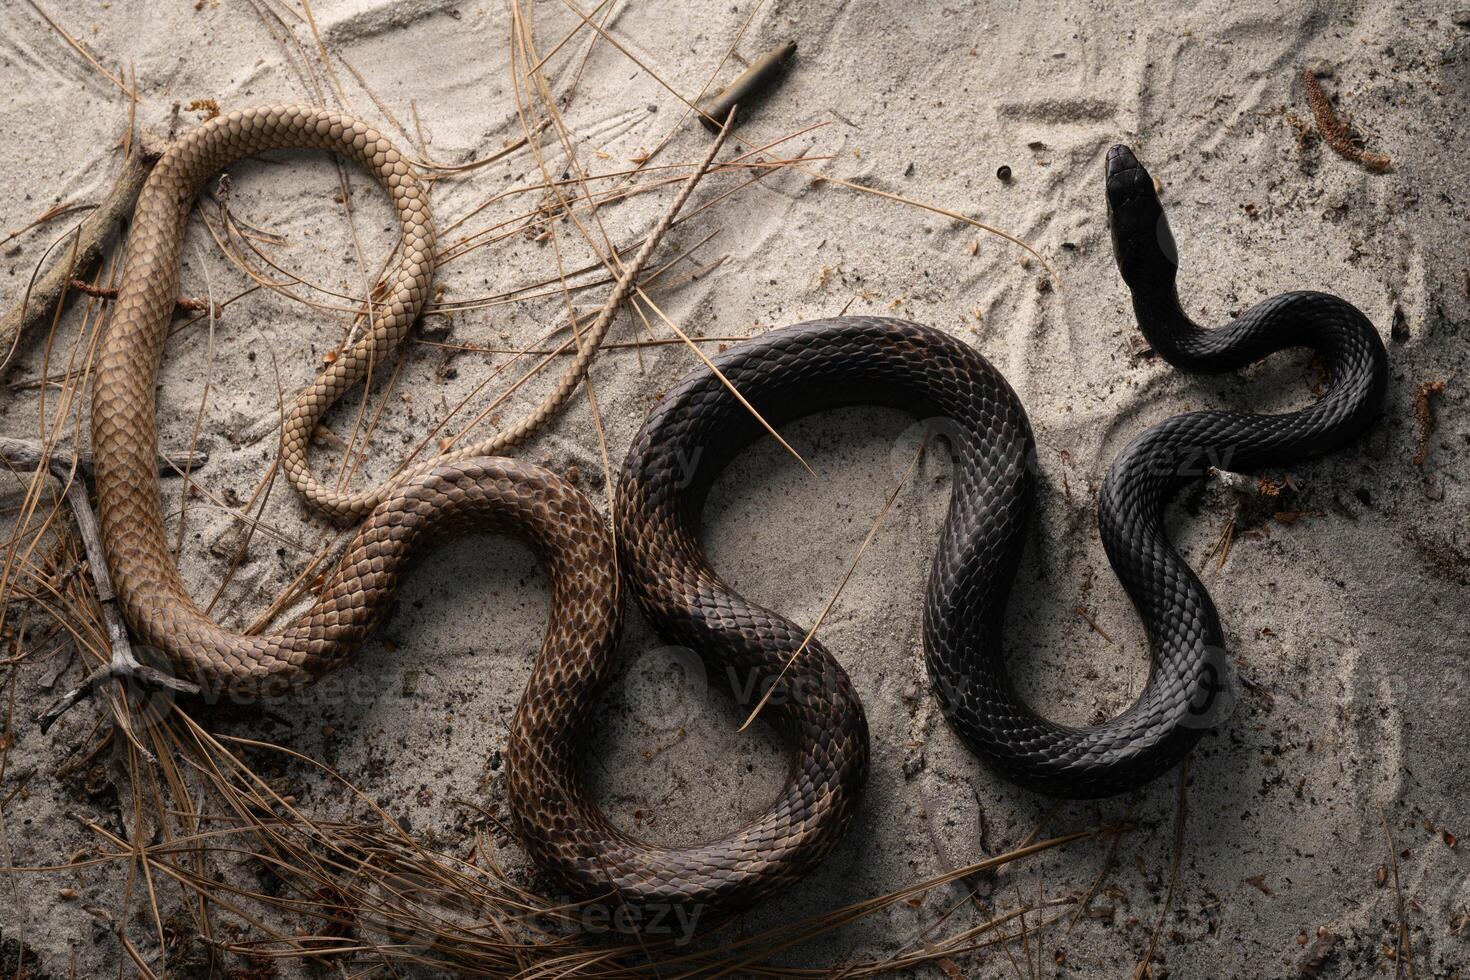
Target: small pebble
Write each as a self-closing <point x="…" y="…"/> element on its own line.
<point x="1004" y="173"/>
<point x="1461" y="18"/>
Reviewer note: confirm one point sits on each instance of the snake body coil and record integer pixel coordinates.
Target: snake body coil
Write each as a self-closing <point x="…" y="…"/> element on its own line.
<point x="153" y="597"/>
<point x="674" y="461"/>
<point x="699" y="426"/>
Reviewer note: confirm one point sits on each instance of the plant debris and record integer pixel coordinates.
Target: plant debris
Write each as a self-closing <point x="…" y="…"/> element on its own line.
<point x="1334" y="133"/>
<point x="207" y="108"/>
<point x="1319" y="953"/>
<point x="1424" y="416"/>
<point x="187" y="304"/>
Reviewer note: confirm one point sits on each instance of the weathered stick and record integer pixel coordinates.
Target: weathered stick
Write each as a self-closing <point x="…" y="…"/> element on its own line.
<point x="750" y="87"/>
<point x="91" y="236"/>
<point x="25" y="454"/>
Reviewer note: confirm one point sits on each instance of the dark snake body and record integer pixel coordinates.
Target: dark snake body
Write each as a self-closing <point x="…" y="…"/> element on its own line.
<point x="785" y="374"/>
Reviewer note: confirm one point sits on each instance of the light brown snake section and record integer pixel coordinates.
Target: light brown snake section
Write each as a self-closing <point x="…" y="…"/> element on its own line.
<point x="152" y="595"/>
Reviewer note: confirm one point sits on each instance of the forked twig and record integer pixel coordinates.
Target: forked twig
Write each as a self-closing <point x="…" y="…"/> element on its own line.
<point x="124" y="663"/>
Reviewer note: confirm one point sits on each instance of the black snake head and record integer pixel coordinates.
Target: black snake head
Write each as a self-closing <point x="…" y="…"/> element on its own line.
<point x="1143" y="245"/>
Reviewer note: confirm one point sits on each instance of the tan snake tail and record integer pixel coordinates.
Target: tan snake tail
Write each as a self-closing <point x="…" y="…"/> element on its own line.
<point x="154" y="599"/>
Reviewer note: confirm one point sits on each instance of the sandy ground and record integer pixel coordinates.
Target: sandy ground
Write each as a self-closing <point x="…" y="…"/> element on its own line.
<point x="1345" y="626"/>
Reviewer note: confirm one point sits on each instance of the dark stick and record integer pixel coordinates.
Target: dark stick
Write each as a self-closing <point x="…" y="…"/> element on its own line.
<point x="753" y="83"/>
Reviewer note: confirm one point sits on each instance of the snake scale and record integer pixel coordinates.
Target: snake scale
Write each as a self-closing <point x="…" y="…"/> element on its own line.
<point x="784" y="374"/>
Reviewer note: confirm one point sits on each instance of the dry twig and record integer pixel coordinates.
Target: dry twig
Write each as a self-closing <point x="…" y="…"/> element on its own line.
<point x="186" y="304"/>
<point x="45" y="292"/>
<point x="1403" y="950"/>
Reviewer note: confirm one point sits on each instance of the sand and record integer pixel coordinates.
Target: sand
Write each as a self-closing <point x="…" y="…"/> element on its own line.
<point x="1345" y="626"/>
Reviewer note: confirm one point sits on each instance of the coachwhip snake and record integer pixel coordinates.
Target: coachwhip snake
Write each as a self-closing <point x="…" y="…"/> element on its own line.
<point x="784" y="374"/>
<point x="153" y="597"/>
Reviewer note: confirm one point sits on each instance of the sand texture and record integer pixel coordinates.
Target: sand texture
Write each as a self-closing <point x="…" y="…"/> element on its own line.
<point x="1344" y="599"/>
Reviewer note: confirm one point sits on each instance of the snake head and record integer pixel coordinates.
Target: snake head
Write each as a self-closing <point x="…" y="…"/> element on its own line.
<point x="1143" y="245"/>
